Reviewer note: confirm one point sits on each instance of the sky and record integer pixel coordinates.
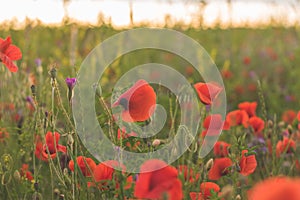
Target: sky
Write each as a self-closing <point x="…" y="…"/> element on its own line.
<point x="52" y="11"/>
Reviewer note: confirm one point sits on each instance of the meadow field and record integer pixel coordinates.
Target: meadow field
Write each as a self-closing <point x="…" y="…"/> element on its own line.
<point x="257" y="156"/>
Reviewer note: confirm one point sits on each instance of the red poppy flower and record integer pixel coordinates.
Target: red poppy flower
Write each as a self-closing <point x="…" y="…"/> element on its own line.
<point x="52" y="145"/>
<point x="246" y="60"/>
<point x="153" y="183"/>
<point x="122" y="134"/>
<point x="214" y="123"/>
<point x="9" y="53"/>
<point x="24" y="172"/>
<point x="286" y="145"/>
<point x="86" y="165"/>
<point x="252" y="87"/>
<point x="247" y="164"/>
<point x="206" y="189"/>
<point x="105" y="172"/>
<point x="227" y="74"/>
<point x="221" y="149"/>
<point x="249" y="107"/>
<point x="189" y="70"/>
<point x="219" y="168"/>
<point x="289" y="116"/>
<point x="276" y="188"/>
<point x="237" y="117"/>
<point x="297" y="165"/>
<point x="239" y="89"/>
<point x="257" y="124"/>
<point x="188" y="173"/>
<point x="3" y="135"/>
<point x="207" y="92"/>
<point x="138" y="102"/>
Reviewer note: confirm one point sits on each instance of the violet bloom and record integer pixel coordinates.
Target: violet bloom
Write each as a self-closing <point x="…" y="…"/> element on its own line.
<point x="70" y="82"/>
<point x="38" y="62"/>
<point x="260" y="144"/>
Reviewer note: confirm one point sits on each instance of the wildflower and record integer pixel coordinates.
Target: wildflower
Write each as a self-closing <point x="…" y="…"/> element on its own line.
<point x="3" y="135"/>
<point x="38" y="62"/>
<point x="260" y="144"/>
<point x="9" y="53"/>
<point x="206" y="189"/>
<point x="207" y="92"/>
<point x="219" y="168"/>
<point x="138" y="102"/>
<point x="249" y="107"/>
<point x="213" y="125"/>
<point x="276" y="188"/>
<point x="70" y="83"/>
<point x="24" y="172"/>
<point x="221" y="149"/>
<point x="246" y="60"/>
<point x="247" y="163"/>
<point x="257" y="124"/>
<point x="105" y="172"/>
<point x="122" y="134"/>
<point x="227" y="74"/>
<point x="237" y="117"/>
<point x="188" y="173"/>
<point x="156" y="142"/>
<point x="289" y="116"/>
<point x="51" y="143"/>
<point x="286" y="145"/>
<point x="86" y="165"/>
<point x="157" y="179"/>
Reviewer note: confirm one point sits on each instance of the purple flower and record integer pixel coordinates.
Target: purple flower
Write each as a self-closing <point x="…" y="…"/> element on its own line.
<point x="70" y="82"/>
<point x="260" y="145"/>
<point x="38" y="62"/>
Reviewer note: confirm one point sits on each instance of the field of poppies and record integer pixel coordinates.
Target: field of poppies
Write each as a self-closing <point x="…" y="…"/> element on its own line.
<point x="256" y="157"/>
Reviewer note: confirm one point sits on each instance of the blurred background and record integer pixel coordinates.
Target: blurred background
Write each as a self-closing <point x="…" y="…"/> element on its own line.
<point x="124" y="13"/>
<point x="249" y="41"/>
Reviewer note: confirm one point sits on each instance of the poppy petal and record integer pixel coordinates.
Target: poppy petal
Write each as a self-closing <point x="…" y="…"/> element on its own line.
<point x="8" y="63"/>
<point x="13" y="52"/>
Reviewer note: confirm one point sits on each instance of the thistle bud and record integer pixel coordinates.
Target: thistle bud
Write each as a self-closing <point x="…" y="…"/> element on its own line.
<point x="33" y="92"/>
<point x="53" y="73"/>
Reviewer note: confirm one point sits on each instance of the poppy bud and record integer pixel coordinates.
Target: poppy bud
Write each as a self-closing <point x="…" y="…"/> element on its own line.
<point x="209" y="164"/>
<point x="290" y="129"/>
<point x="238" y="197"/>
<point x="70" y="140"/>
<point x="226" y="192"/>
<point x="281" y="124"/>
<point x="270" y="123"/>
<point x="156" y="143"/>
<point x="56" y="192"/>
<point x="17" y="175"/>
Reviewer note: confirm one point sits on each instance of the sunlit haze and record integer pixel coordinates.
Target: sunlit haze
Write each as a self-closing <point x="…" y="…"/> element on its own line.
<point x="154" y="12"/>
